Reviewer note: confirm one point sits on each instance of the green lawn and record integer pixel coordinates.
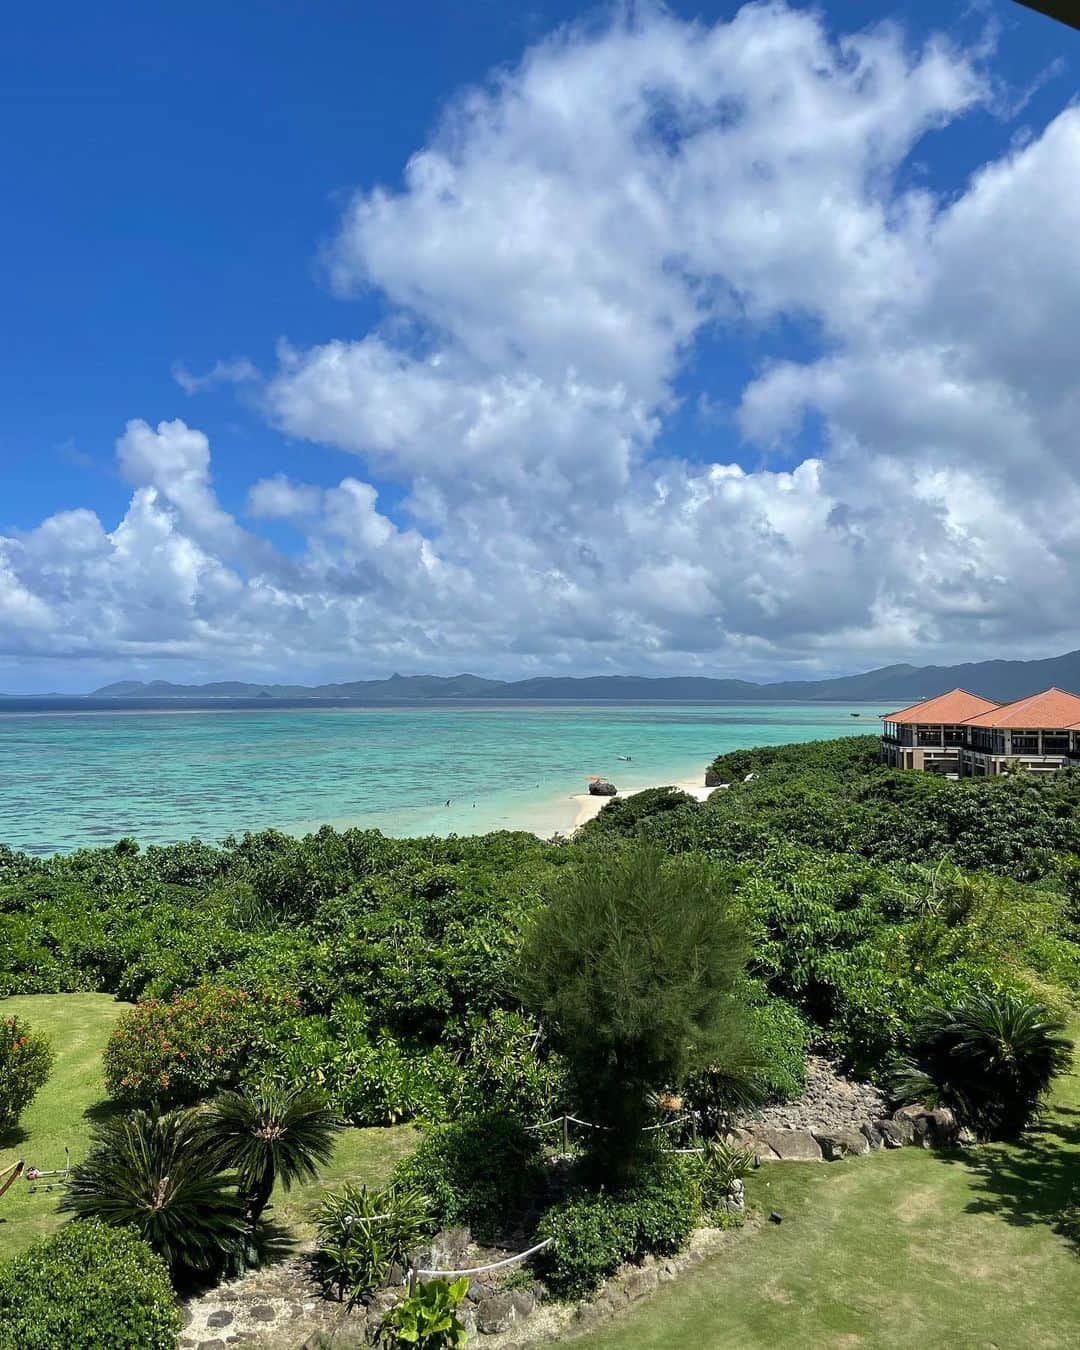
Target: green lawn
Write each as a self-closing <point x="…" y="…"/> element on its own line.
<point x="62" y="1112"/>
<point x="890" y="1250"/>
<point x="74" y="1097"/>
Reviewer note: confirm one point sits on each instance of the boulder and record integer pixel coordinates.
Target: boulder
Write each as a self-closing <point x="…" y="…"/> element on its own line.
<point x="448" y="1248"/>
<point x="791" y="1145"/>
<point x="926" y="1127"/>
<point x="496" y="1313"/>
<point x="872" y="1134"/>
<point x="712" y="778"/>
<point x="524" y="1301"/>
<point x="836" y="1144"/>
<point x="600" y="787"/>
<point x="890" y="1133"/>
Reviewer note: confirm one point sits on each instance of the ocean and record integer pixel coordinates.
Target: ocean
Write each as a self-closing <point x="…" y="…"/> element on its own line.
<point x="73" y="779"/>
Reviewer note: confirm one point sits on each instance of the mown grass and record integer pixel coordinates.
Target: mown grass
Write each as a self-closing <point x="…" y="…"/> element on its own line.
<point x="63" y="1112"/>
<point x="890" y="1250"/>
<point x="66" y="1108"/>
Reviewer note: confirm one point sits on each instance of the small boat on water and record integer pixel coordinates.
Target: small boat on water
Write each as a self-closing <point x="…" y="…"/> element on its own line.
<point x="854" y="714"/>
<point x="625" y="758"/>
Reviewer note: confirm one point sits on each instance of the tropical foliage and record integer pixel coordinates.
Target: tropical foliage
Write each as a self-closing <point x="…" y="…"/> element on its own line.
<point x="154" y="1174"/>
<point x="427" y="1318"/>
<point x="362" y="1234"/>
<point x="26" y="1059"/>
<point x="992" y="1060"/>
<point x="266" y="1135"/>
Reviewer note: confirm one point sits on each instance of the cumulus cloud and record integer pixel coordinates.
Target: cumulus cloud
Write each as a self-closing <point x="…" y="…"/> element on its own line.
<point x="557" y="266"/>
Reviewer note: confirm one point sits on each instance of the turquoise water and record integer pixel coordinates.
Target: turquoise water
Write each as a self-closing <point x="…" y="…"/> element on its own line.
<point x="69" y="780"/>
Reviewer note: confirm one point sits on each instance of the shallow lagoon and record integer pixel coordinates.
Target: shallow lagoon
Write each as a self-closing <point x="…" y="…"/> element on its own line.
<point x="71" y="779"/>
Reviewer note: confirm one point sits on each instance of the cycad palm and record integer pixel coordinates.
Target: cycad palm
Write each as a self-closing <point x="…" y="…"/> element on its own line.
<point x="269" y="1134"/>
<point x="992" y="1058"/>
<point x="154" y="1173"/>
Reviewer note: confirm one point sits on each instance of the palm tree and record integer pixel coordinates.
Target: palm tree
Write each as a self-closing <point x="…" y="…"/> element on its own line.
<point x="992" y="1059"/>
<point x="154" y="1173"/>
<point x="268" y="1134"/>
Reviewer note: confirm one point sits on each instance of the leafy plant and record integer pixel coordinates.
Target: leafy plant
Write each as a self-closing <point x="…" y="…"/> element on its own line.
<point x="635" y="967"/>
<point x="362" y="1233"/>
<point x="426" y="1319"/>
<point x="991" y="1059"/>
<point x="268" y="1134"/>
<point x="155" y="1174"/>
<point x="478" y="1172"/>
<point x="26" y="1060"/>
<point x="163" y="1054"/>
<point x="594" y="1232"/>
<point x="715" y="1169"/>
<point x="87" y="1285"/>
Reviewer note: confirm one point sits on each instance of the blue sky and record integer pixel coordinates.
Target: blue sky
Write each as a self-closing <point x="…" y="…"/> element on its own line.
<point x="176" y="178"/>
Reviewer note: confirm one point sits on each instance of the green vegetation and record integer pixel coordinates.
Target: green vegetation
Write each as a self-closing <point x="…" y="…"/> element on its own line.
<point x="991" y="1060"/>
<point x="427" y="1318"/>
<point x="596" y="1231"/>
<point x="674" y="957"/>
<point x="88" y="1285"/>
<point x="26" y="1059"/>
<point x="479" y="1171"/>
<point x="268" y="1136"/>
<point x="636" y="967"/>
<point x="64" y="1110"/>
<point x="154" y="1174"/>
<point x="892" y="1250"/>
<point x="362" y="1233"/>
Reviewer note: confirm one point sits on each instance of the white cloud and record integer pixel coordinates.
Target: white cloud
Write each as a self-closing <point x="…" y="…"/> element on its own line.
<point x="240" y="370"/>
<point x="551" y="265"/>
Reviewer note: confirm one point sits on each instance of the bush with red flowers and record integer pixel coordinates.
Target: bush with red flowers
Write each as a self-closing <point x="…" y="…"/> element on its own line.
<point x="26" y="1059"/>
<point x="166" y="1053"/>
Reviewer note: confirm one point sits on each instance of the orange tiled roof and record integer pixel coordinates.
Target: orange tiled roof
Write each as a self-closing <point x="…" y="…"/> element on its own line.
<point x="947" y="709"/>
<point x="1052" y="708"/>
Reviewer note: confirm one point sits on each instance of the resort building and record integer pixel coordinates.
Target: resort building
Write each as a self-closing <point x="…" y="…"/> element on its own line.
<point x="962" y="734"/>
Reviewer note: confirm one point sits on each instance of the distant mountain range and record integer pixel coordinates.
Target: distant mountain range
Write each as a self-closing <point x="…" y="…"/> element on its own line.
<point x="892" y="685"/>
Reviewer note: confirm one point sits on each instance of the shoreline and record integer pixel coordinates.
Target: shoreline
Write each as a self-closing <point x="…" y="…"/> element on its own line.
<point x="589" y="807"/>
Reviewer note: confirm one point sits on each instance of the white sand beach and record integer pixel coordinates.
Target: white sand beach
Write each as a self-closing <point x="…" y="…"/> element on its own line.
<point x="589" y="806"/>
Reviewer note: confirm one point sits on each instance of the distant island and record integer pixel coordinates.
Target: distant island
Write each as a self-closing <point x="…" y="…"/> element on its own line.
<point x="895" y="686"/>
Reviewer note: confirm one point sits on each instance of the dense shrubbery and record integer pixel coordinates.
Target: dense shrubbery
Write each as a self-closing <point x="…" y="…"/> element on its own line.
<point x="596" y="1231"/>
<point x="87" y="1285"/>
<point x="991" y="1060"/>
<point x="26" y="1060"/>
<point x="868" y="896"/>
<point x="172" y="1053"/>
<point x="480" y="1171"/>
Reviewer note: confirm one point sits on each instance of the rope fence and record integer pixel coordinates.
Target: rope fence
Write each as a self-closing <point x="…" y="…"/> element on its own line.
<point x="416" y="1272"/>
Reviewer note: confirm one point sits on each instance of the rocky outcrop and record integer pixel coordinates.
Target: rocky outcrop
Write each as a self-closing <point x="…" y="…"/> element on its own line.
<point x="925" y="1127"/>
<point x="836" y="1117"/>
<point x="828" y="1102"/>
<point x="601" y="787"/>
<point x="836" y="1144"/>
<point x="789" y="1145"/>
